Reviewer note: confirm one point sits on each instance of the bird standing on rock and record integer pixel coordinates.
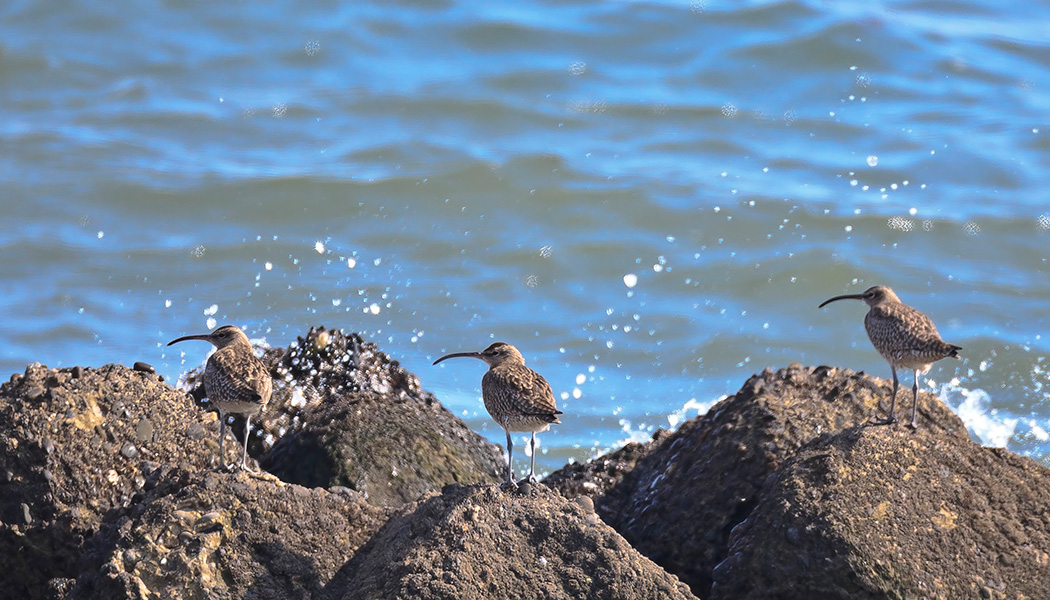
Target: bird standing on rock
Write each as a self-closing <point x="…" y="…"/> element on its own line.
<point x="905" y="337"/>
<point x="516" y="397"/>
<point x="235" y="380"/>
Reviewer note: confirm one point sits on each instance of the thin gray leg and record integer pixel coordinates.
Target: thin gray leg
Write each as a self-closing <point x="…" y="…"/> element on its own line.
<point x="510" y="461"/>
<point x="222" y="436"/>
<point x="532" y="464"/>
<point x="915" y="400"/>
<point x="247" y="431"/>
<point x="893" y="401"/>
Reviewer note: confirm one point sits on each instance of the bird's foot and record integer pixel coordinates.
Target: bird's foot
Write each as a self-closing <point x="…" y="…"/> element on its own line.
<point x="508" y="485"/>
<point x="890" y="420"/>
<point x="913" y="425"/>
<point x="530" y="479"/>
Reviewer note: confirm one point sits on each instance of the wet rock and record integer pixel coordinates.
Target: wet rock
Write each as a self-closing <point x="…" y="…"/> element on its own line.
<point x="318" y="368"/>
<point x="391" y="451"/>
<point x="224" y="535"/>
<point x="143" y="367"/>
<point x="331" y="364"/>
<point x="886" y="512"/>
<point x="480" y="542"/>
<point x="689" y="489"/>
<point x="63" y="464"/>
<point x="598" y="476"/>
<point x="370" y="426"/>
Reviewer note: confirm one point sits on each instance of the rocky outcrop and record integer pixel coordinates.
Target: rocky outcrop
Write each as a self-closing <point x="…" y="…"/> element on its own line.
<point x="689" y="489"/>
<point x="225" y="535"/>
<point x="480" y="542"/>
<point x="316" y="368"/>
<point x="887" y="512"/>
<point x="601" y="477"/>
<point x="85" y="444"/>
<point x="375" y="429"/>
<point x="781" y="491"/>
<point x="78" y="443"/>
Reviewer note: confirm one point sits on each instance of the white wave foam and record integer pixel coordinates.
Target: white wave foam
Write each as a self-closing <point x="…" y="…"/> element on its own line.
<point x="698" y="408"/>
<point x="973" y="409"/>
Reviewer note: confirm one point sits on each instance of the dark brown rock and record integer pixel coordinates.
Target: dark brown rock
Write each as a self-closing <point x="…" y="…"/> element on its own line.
<point x="370" y="426"/>
<point x="66" y="461"/>
<point x="887" y="512"/>
<point x="474" y="542"/>
<point x="689" y="489"/>
<point x="223" y="535"/>
<point x="354" y="417"/>
<point x="391" y="451"/>
<point x="599" y="476"/>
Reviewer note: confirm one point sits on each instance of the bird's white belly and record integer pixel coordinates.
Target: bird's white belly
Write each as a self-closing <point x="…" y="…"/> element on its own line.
<point x="525" y="424"/>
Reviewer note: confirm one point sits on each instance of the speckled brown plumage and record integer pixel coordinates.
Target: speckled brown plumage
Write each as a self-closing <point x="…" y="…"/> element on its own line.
<point x="905" y="337"/>
<point x="515" y="396"/>
<point x="235" y="380"/>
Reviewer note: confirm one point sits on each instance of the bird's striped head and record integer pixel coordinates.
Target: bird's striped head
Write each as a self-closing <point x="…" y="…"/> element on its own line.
<point x="499" y="353"/>
<point x="872" y="296"/>
<point x="227" y="335"/>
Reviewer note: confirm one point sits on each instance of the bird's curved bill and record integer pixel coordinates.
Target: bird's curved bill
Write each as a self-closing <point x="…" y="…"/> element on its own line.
<point x="459" y="355"/>
<point x="844" y="297"/>
<point x="188" y="337"/>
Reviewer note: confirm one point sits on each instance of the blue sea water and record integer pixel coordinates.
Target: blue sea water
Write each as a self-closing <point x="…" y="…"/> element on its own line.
<point x="648" y="199"/>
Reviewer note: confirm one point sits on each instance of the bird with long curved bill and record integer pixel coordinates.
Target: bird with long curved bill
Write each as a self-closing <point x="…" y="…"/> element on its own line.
<point x="516" y="397"/>
<point x="905" y="337"/>
<point x="235" y="380"/>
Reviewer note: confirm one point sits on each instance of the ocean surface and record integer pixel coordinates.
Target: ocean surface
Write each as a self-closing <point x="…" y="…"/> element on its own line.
<point x="649" y="199"/>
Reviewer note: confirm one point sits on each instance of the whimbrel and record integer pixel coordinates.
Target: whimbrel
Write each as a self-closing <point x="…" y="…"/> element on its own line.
<point x="235" y="380"/>
<point x="517" y="398"/>
<point x="905" y="337"/>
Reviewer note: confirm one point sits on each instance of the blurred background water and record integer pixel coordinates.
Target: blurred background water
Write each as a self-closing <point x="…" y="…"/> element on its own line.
<point x="648" y="199"/>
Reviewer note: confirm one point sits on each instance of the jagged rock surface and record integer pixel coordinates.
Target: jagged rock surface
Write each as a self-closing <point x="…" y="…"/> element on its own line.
<point x="474" y="542"/>
<point x="107" y="491"/>
<point x="887" y="512"/>
<point x="689" y="489"/>
<point x="600" y="477"/>
<point x="225" y="535"/>
<point x="78" y="442"/>
<point x="375" y="430"/>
